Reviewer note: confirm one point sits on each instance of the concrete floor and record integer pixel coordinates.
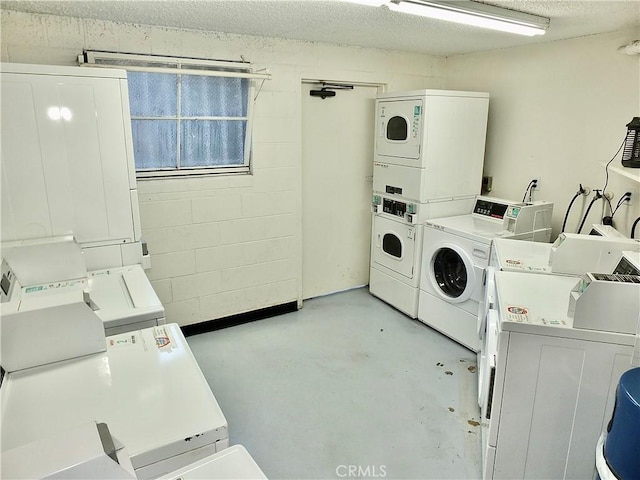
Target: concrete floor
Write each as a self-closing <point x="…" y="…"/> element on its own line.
<point x="346" y="387"/>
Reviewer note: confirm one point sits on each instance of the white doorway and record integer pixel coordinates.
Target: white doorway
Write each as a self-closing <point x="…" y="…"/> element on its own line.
<point x="337" y="172"/>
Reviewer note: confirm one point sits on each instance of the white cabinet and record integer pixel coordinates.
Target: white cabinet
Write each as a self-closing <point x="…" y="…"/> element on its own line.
<point x="67" y="155"/>
<point x="552" y="398"/>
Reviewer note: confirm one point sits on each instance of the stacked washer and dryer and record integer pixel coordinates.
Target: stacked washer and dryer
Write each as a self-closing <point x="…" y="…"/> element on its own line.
<point x="429" y="155"/>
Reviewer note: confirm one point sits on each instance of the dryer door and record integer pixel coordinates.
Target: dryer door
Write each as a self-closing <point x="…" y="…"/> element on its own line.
<point x="394" y="245"/>
<point x="452" y="273"/>
<point x="399" y="128"/>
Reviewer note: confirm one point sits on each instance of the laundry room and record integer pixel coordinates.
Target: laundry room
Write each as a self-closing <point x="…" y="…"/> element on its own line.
<point x="346" y="297"/>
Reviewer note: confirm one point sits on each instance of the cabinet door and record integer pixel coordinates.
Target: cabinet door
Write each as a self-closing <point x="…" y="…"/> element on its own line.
<point x="66" y="158"/>
<point x="557" y="397"/>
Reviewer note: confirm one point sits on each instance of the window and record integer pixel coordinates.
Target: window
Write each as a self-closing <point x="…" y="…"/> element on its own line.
<point x="188" y="116"/>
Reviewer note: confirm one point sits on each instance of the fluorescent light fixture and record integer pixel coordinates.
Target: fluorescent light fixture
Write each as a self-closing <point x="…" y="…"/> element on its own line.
<point x="475" y="14"/>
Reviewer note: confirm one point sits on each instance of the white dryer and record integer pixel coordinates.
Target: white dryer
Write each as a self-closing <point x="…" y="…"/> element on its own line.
<point x="455" y="255"/>
<point x="396" y="247"/>
<point x="429" y="144"/>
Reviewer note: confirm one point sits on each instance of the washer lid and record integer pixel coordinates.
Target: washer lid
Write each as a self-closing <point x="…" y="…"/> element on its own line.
<point x="147" y="387"/>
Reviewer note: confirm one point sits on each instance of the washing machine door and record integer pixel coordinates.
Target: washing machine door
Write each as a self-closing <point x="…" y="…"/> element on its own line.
<point x="398" y="128"/>
<point x="394" y="245"/>
<point x="452" y="273"/>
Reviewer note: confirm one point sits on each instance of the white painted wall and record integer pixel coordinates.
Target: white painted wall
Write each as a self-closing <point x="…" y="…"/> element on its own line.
<point x="227" y="244"/>
<point x="557" y="111"/>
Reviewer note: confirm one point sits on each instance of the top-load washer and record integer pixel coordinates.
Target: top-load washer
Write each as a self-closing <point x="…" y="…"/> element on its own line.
<point x="429" y="144"/>
<point x="455" y="255"/>
<point x="38" y="274"/>
<point x="556" y="346"/>
<point x="569" y="254"/>
<point x="145" y="385"/>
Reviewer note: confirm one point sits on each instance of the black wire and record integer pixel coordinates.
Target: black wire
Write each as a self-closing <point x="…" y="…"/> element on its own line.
<point x="619" y="204"/>
<point x="584" y="219"/>
<point x="527" y="190"/>
<point x="606" y="167"/>
<point x="633" y="227"/>
<point x="610" y="207"/>
<point x="566" y="217"/>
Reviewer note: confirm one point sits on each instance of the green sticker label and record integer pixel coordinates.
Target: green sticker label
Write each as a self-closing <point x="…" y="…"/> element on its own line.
<point x="33" y="289"/>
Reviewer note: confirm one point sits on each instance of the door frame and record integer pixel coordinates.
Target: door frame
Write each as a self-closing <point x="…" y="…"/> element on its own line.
<point x="316" y="79"/>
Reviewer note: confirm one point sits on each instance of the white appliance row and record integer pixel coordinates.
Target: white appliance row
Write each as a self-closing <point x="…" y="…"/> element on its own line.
<point x="70" y="216"/>
<point x="554" y="348"/>
<point x="433" y="271"/>
<point x="72" y="259"/>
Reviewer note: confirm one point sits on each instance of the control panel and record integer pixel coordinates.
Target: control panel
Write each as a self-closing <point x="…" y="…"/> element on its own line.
<point x="488" y="208"/>
<point x="625" y="267"/>
<point x="396" y="208"/>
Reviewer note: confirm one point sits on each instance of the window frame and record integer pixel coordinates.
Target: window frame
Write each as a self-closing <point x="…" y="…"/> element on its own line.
<point x="185" y="66"/>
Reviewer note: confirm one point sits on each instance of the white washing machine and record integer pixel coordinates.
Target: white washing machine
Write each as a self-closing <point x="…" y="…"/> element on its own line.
<point x="52" y="271"/>
<point x="429" y="144"/>
<point x="548" y="386"/>
<point x="146" y="386"/>
<point x="570" y="254"/>
<point x="396" y="247"/>
<point x="456" y="253"/>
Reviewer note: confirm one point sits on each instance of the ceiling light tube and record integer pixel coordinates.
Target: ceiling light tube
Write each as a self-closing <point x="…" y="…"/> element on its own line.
<point x="475" y="14"/>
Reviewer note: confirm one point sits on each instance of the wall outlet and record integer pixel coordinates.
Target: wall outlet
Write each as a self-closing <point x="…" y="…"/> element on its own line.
<point x="629" y="199"/>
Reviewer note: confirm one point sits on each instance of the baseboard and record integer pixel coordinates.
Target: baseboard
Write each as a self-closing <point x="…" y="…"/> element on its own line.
<point x="238" y="319"/>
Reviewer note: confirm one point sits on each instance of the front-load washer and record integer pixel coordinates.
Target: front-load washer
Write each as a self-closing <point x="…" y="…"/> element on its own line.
<point x="396" y="247"/>
<point x="455" y="255"/>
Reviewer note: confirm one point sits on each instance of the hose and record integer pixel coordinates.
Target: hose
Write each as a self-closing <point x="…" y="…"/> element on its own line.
<point x="593" y="200"/>
<point x="527" y="190"/>
<point x="633" y="227"/>
<point x="566" y="216"/>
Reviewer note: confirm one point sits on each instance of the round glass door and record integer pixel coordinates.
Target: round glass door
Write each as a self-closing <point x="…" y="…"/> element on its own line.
<point x="450" y="272"/>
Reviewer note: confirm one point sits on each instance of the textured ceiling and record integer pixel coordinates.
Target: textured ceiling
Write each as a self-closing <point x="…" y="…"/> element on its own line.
<point x="332" y="21"/>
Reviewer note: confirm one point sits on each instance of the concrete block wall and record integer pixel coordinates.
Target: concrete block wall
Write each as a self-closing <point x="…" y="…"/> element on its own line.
<point x="223" y="245"/>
